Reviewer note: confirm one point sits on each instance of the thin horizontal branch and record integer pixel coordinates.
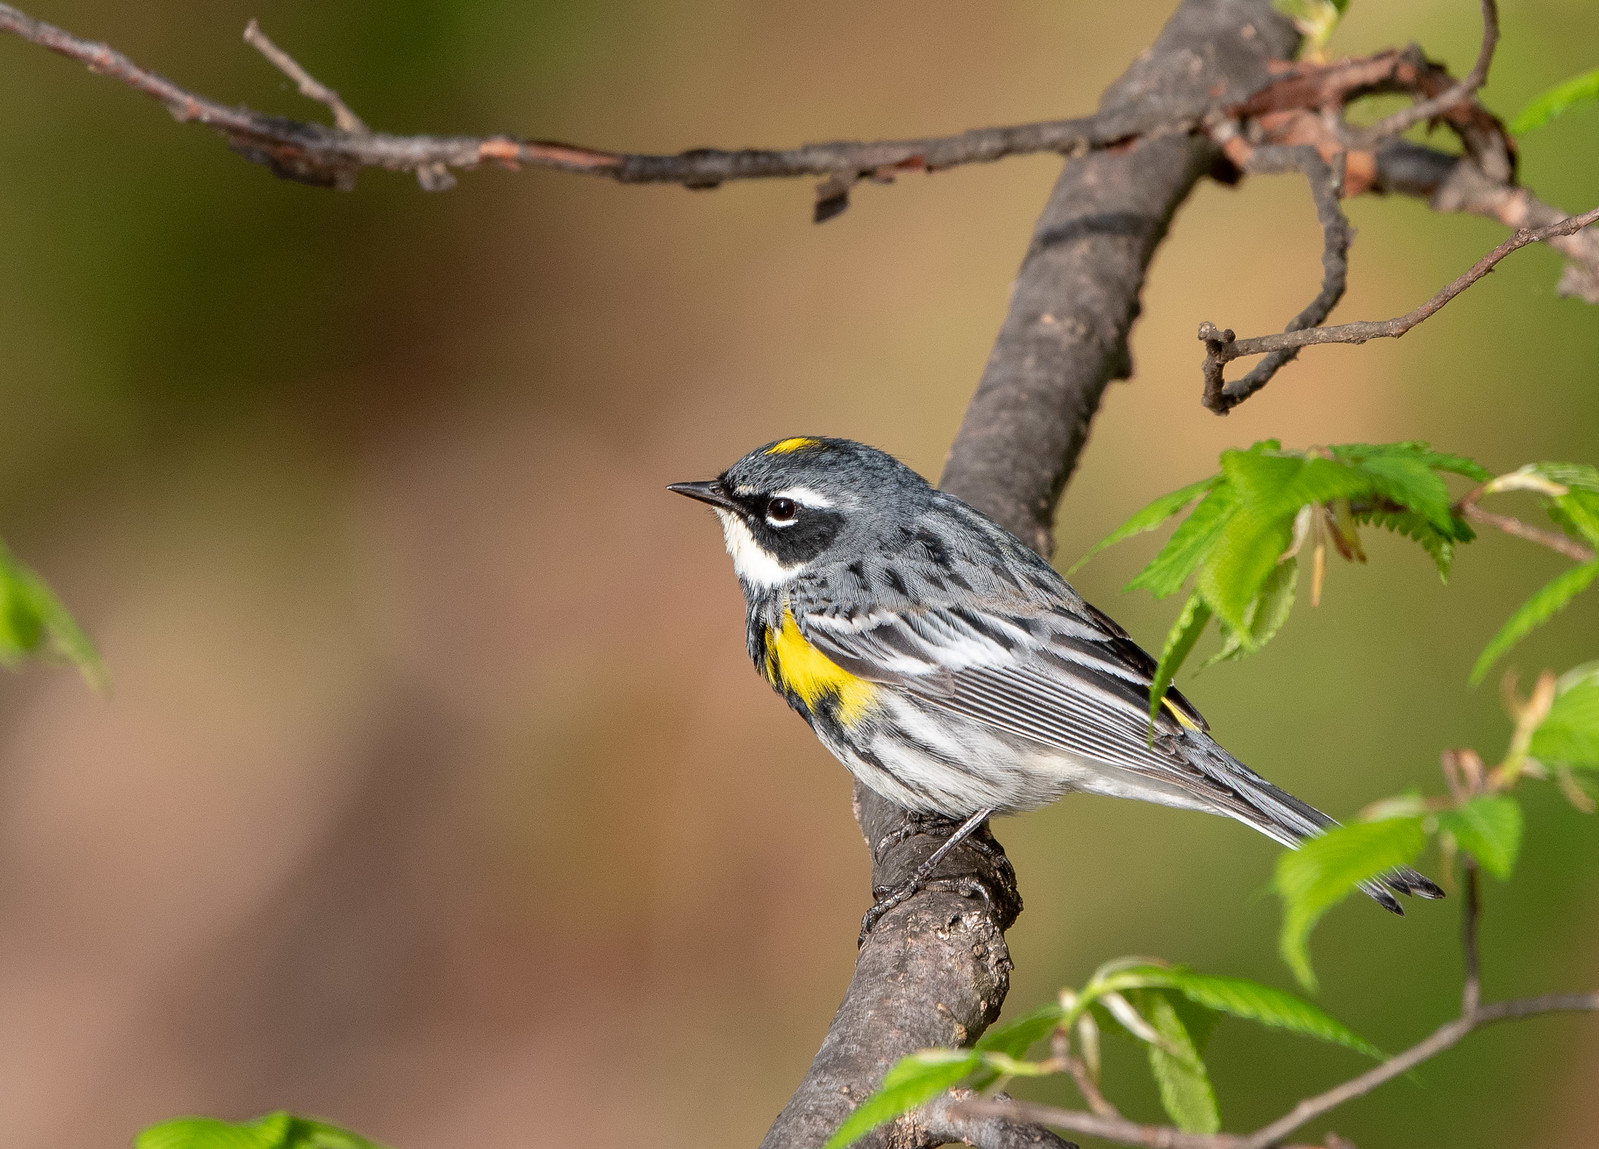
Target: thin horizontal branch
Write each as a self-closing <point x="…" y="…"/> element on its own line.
<point x="1559" y="543"/>
<point x="1223" y="346"/>
<point x="1439" y="1040"/>
<point x="1428" y="109"/>
<point x="331" y="156"/>
<point x="1124" y="1132"/>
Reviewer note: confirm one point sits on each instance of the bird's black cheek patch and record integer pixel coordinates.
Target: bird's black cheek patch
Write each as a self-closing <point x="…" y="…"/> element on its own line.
<point x="811" y="533"/>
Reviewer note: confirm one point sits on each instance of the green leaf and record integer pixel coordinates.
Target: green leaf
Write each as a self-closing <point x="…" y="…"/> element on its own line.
<point x="1189" y="544"/>
<point x="1179" y="643"/>
<point x="267" y="1132"/>
<point x="1408" y="523"/>
<point x="1536" y="611"/>
<point x="1274" y="485"/>
<point x="1569" y="736"/>
<point x="1265" y="615"/>
<point x="1015" y="1038"/>
<point x="1323" y="871"/>
<point x="1150" y="517"/>
<point x="1413" y="485"/>
<point x="1489" y="828"/>
<point x="33" y="622"/>
<point x="1315" y="19"/>
<point x="1582" y="476"/>
<point x="1556" y="101"/>
<point x="1413" y="449"/>
<point x="1578" y="514"/>
<point x="1243" y="557"/>
<point x="910" y="1082"/>
<point x="1185" y="1089"/>
<point x="274" y="1131"/>
<point x="1240" y="997"/>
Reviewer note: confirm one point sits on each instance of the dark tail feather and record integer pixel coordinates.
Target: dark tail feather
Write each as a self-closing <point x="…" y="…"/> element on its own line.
<point x="1287" y="819"/>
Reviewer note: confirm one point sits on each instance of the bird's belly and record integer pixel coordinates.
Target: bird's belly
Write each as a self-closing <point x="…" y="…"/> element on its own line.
<point x="931" y="760"/>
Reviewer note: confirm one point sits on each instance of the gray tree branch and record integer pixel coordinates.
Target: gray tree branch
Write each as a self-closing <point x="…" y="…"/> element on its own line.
<point x="935" y="970"/>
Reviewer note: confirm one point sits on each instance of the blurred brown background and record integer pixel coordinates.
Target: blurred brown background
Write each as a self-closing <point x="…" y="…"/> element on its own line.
<point x="435" y="794"/>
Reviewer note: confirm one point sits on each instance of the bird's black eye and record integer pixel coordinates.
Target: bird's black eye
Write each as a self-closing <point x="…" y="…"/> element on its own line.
<point x="781" y="510"/>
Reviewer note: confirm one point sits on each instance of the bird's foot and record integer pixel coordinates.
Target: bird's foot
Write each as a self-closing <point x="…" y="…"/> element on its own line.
<point x="888" y="898"/>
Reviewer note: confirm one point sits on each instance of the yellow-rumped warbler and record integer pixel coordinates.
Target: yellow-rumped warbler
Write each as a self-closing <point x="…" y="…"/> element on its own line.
<point x="949" y="666"/>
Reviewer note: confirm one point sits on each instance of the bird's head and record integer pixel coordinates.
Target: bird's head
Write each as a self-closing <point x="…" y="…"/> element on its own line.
<point x="789" y="503"/>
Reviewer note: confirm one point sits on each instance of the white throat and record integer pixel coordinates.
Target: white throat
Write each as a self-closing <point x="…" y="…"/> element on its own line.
<point x="752" y="562"/>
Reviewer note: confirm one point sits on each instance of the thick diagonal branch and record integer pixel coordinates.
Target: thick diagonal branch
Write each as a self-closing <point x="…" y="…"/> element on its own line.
<point x="935" y="970"/>
<point x="1064" y="338"/>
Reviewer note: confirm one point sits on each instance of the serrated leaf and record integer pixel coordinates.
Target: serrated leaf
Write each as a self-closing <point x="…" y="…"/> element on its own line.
<point x="1015" y="1038"/>
<point x="1265" y="616"/>
<point x="1488" y="827"/>
<point x="1413" y="485"/>
<point x="1185" y="1090"/>
<point x="1150" y="517"/>
<point x="1533" y="613"/>
<point x="1569" y="735"/>
<point x="1414" y="526"/>
<point x="1556" y="101"/>
<point x="1179" y="644"/>
<point x="1274" y="485"/>
<point x="1189" y="544"/>
<point x="911" y="1081"/>
<point x="1243" y="557"/>
<point x="1413" y="449"/>
<point x="1240" y="997"/>
<point x="1324" y="871"/>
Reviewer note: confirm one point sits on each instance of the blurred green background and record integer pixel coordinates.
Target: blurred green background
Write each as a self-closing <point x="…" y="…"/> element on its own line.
<point x="435" y="794"/>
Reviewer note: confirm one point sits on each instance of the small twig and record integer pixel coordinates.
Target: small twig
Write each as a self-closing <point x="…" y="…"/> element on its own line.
<point x="1086" y="1085"/>
<point x="310" y="87"/>
<point x="946" y="1119"/>
<point x="1428" y="109"/>
<point x="1562" y="544"/>
<point x="1326" y="182"/>
<point x="1221" y="347"/>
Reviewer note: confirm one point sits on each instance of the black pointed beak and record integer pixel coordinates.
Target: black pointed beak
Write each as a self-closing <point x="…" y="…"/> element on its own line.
<point x="709" y="492"/>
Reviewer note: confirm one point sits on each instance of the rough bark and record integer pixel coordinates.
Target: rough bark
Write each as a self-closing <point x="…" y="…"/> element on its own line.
<point x="935" y="970"/>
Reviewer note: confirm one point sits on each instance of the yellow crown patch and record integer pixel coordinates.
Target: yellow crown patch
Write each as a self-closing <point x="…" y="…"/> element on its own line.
<point x="797" y="444"/>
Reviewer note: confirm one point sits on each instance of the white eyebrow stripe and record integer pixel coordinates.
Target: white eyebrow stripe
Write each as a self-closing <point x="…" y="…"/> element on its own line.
<point x="805" y="497"/>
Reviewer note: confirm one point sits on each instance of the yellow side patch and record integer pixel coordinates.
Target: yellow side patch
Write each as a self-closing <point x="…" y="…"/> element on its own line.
<point x="788" y="445"/>
<point x="1176" y="712"/>
<point x="792" y="663"/>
